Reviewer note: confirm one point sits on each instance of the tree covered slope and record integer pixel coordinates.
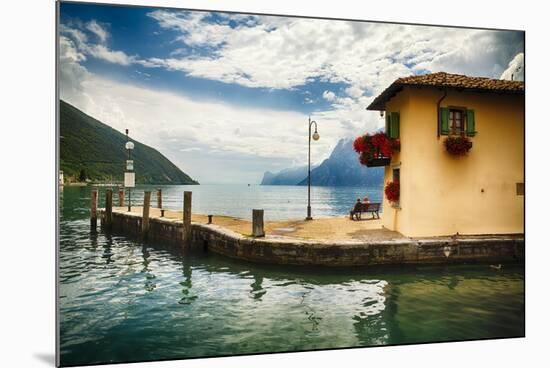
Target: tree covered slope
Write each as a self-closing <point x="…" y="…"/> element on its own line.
<point x="88" y="146"/>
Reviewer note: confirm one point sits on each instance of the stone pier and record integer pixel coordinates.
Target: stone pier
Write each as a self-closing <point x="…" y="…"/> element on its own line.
<point x="233" y="238"/>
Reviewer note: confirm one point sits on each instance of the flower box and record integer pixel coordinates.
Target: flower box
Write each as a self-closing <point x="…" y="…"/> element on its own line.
<point x="375" y="162"/>
<point x="458" y="146"/>
<point x="375" y="150"/>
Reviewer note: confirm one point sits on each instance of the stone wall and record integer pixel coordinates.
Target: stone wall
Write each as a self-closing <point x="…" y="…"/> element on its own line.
<point x="212" y="238"/>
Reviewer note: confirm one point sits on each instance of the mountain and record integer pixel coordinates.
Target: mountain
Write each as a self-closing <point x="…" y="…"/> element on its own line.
<point x="291" y="176"/>
<point x="90" y="149"/>
<point x="342" y="168"/>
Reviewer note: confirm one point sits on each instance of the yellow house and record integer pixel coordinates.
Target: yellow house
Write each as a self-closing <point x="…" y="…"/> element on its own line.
<point x="480" y="192"/>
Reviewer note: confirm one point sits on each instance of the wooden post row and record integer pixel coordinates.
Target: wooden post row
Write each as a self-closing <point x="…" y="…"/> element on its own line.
<point x="93" y="210"/>
<point x="159" y="198"/>
<point x="145" y="215"/>
<point x="109" y="209"/>
<point x="187" y="196"/>
<point x="121" y="198"/>
<point x="258" y="223"/>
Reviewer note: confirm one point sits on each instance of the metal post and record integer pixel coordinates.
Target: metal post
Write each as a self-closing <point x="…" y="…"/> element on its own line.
<point x="315" y="136"/>
<point x="129" y="150"/>
<point x="308" y="217"/>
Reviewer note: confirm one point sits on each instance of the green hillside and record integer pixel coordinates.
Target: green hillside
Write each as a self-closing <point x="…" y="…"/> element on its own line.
<point x="88" y="144"/>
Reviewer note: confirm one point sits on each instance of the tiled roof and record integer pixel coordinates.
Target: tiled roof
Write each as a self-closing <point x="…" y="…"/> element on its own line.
<point x="446" y="80"/>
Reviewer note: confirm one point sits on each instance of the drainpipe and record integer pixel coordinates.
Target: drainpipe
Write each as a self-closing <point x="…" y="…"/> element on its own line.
<point x="438" y="115"/>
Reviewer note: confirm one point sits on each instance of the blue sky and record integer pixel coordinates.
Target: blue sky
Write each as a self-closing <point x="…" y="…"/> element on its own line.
<point x="231" y="93"/>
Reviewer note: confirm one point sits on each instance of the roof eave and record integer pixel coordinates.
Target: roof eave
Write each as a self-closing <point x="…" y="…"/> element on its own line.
<point x="379" y="103"/>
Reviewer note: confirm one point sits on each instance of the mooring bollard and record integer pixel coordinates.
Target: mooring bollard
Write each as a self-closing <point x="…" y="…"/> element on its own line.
<point x="109" y="209"/>
<point x="145" y="214"/>
<point x="209" y="219"/>
<point x="159" y="198"/>
<point x="121" y="197"/>
<point x="258" y="223"/>
<point x="93" y="210"/>
<point x="187" y="217"/>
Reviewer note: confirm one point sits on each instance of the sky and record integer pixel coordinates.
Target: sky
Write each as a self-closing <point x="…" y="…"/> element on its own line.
<point x="227" y="96"/>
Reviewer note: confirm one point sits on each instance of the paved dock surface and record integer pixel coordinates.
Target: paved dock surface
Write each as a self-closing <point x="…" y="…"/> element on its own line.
<point x="325" y="229"/>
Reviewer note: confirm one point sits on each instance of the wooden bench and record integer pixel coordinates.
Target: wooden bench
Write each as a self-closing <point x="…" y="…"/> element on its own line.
<point x="372" y="208"/>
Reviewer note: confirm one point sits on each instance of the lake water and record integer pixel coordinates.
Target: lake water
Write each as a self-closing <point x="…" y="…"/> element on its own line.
<point x="122" y="300"/>
<point x="278" y="202"/>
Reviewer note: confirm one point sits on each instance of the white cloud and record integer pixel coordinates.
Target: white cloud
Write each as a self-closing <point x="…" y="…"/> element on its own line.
<point x="82" y="45"/>
<point x="274" y="53"/>
<point x="115" y="57"/>
<point x="285" y="53"/>
<point x="98" y="30"/>
<point x="241" y="142"/>
<point x="516" y="68"/>
<point x="190" y="149"/>
<point x="329" y="96"/>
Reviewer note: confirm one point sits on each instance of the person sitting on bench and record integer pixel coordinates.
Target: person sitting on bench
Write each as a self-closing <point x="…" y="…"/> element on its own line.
<point x="366" y="207"/>
<point x="357" y="207"/>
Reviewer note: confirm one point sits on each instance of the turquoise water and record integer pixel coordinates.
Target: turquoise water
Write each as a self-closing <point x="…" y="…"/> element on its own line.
<point x="122" y="300"/>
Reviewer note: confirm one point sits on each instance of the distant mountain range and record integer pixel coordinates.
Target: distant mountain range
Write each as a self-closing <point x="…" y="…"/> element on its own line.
<point x="96" y="151"/>
<point x="291" y="176"/>
<point x="342" y="168"/>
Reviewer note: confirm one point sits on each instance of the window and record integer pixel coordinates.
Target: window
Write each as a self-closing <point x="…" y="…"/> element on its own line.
<point x="395" y="174"/>
<point x="456" y="121"/>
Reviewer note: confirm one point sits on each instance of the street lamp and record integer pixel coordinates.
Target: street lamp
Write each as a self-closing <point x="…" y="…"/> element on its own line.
<point x="315" y="137"/>
<point x="129" y="174"/>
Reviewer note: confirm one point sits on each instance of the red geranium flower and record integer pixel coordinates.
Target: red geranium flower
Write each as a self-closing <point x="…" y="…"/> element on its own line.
<point x="374" y="146"/>
<point x="458" y="146"/>
<point x="392" y="191"/>
<point x="358" y="144"/>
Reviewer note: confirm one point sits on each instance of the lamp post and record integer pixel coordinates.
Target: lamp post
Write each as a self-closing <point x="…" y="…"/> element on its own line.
<point x="129" y="174"/>
<point x="315" y="137"/>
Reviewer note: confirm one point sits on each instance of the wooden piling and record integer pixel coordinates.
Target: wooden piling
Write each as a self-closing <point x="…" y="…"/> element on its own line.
<point x="145" y="215"/>
<point x="258" y="223"/>
<point x="121" y="197"/>
<point x="109" y="209"/>
<point x="187" y="196"/>
<point x="159" y="198"/>
<point x="93" y="210"/>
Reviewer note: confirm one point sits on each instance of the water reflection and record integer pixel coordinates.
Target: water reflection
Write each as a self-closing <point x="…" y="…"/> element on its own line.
<point x="108" y="249"/>
<point x="257" y="291"/>
<point x="149" y="276"/>
<point x="187" y="285"/>
<point x="125" y="300"/>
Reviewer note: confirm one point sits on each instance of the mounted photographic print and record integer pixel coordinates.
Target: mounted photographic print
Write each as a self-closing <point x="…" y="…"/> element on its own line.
<point x="235" y="183"/>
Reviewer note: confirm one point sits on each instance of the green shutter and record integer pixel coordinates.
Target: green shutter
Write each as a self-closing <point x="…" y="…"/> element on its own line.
<point x="444" y="120"/>
<point x="470" y="123"/>
<point x="388" y="125"/>
<point x="394" y="125"/>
